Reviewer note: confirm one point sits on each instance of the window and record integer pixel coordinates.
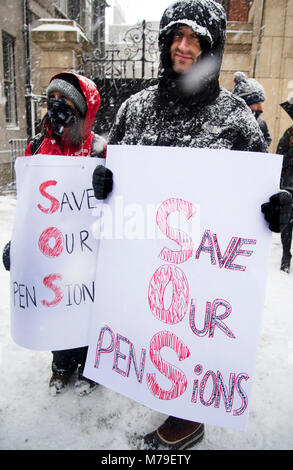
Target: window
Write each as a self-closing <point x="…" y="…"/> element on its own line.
<point x="87" y="17"/>
<point x="8" y="45"/>
<point x="237" y="10"/>
<point x="62" y="6"/>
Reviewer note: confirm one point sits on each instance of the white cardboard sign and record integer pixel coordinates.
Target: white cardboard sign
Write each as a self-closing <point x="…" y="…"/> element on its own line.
<point x="53" y="252"/>
<point x="181" y="279"/>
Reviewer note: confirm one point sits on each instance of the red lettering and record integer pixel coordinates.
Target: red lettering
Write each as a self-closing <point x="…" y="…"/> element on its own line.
<point x="44" y="239"/>
<point x="180" y="237"/>
<point x="48" y="282"/>
<point x="180" y="296"/>
<point x="178" y="378"/>
<point x="54" y="202"/>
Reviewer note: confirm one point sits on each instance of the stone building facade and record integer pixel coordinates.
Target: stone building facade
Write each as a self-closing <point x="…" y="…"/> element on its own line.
<point x="41" y="37"/>
<point x="259" y="43"/>
<point x="13" y="73"/>
<point x="28" y="59"/>
<point x="262" y="46"/>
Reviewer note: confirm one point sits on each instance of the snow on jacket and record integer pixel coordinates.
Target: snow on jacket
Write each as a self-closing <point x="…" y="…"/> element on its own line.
<point x="92" y="143"/>
<point x="225" y="123"/>
<point x="205" y="116"/>
<point x="265" y="131"/>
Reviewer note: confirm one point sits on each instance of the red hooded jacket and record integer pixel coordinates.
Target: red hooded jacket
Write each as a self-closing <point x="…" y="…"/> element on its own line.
<point x="50" y="146"/>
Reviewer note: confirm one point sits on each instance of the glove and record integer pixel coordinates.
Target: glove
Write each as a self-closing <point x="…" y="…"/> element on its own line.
<point x="278" y="210"/>
<point x="6" y="256"/>
<point x="102" y="181"/>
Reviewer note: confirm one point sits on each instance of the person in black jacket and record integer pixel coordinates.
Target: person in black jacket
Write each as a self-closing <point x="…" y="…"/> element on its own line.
<point x="188" y="108"/>
<point x="252" y="92"/>
<point x="285" y="147"/>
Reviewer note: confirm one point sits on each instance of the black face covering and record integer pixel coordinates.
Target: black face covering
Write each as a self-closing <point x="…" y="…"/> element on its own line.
<point x="61" y="115"/>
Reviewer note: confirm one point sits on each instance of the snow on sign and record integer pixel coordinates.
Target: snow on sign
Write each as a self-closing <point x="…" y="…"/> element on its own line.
<point x="181" y="279"/>
<point x="53" y="252"/>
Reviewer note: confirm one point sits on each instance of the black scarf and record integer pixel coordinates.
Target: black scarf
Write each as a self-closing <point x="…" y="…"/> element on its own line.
<point x="61" y="115"/>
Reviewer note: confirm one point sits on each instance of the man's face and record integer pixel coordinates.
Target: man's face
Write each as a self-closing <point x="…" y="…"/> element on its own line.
<point x="257" y="107"/>
<point x="185" y="49"/>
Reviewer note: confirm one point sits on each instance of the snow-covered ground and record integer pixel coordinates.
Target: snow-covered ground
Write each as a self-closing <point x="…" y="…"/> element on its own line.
<point x="30" y="418"/>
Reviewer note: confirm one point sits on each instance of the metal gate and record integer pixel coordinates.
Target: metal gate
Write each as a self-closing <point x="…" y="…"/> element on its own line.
<point x="122" y="71"/>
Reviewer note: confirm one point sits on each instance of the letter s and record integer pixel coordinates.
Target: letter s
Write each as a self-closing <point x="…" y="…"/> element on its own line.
<point x="178" y="236"/>
<point x="54" y="202"/>
<point x="242" y="394"/>
<point x="48" y="282"/>
<point x="178" y="378"/>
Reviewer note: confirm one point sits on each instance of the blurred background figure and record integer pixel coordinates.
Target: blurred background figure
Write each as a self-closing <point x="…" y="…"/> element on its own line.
<point x="252" y="92"/>
<point x="285" y="147"/>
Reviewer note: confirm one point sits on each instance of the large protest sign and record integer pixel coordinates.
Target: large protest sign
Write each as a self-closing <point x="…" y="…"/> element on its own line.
<point x="53" y="252"/>
<point x="182" y="270"/>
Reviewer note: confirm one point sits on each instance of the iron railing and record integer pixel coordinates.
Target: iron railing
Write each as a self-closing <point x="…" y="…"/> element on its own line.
<point x="135" y="57"/>
<point x="17" y="149"/>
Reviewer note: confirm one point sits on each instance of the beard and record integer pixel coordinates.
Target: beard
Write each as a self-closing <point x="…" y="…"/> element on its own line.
<point x="256" y="114"/>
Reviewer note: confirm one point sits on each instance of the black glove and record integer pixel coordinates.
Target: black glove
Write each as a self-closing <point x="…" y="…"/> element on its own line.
<point x="6" y="256"/>
<point x="278" y="210"/>
<point x="102" y="182"/>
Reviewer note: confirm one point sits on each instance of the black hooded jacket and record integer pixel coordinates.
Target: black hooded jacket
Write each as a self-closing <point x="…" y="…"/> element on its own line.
<point x="189" y="110"/>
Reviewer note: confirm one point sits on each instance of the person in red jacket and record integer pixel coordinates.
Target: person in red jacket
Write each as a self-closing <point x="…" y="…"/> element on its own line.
<point x="72" y="103"/>
<point x="66" y="129"/>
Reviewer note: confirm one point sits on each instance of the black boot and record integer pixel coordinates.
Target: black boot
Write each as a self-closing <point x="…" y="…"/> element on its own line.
<point x="285" y="263"/>
<point x="286" y="239"/>
<point x="83" y="385"/>
<point x="64" y="364"/>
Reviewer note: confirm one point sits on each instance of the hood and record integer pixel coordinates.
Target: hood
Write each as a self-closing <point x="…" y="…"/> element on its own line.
<point x="207" y="19"/>
<point x="249" y="89"/>
<point x="288" y="107"/>
<point x="92" y="97"/>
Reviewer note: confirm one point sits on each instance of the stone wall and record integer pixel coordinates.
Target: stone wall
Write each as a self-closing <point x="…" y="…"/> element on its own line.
<point x="263" y="48"/>
<point x="11" y="22"/>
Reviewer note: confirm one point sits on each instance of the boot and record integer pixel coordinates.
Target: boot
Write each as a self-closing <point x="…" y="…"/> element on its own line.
<point x="174" y="433"/>
<point x="84" y="386"/>
<point x="285" y="262"/>
<point x="57" y="383"/>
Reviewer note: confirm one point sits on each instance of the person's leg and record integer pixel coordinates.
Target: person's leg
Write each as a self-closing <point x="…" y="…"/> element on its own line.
<point x="83" y="386"/>
<point x="286" y="239"/>
<point x="64" y="364"/>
